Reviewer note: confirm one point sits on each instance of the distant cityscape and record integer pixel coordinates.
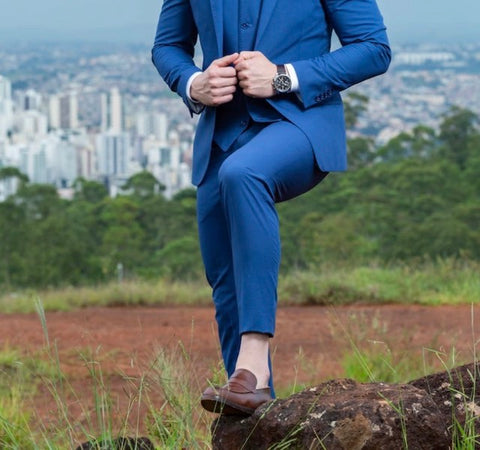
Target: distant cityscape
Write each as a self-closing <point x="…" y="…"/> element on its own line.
<point x="104" y="114"/>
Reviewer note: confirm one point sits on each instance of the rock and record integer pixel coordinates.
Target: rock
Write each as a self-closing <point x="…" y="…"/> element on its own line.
<point x="456" y="391"/>
<point x="122" y="443"/>
<point x="346" y="415"/>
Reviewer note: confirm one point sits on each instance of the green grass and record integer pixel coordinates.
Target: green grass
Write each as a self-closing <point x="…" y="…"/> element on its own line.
<point x="447" y="281"/>
<point x="127" y="293"/>
<point x="390" y="360"/>
<point x="442" y="282"/>
<point x="20" y="376"/>
<point x="177" y="421"/>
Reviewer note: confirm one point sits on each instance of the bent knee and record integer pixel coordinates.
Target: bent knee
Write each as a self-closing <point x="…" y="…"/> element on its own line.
<point x="232" y="173"/>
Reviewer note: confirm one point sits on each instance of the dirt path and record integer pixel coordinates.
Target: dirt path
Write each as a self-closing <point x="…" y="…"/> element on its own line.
<point x="309" y="345"/>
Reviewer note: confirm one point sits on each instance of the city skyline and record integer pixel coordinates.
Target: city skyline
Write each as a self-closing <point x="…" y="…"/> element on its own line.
<point x="79" y="111"/>
<point x="124" y="21"/>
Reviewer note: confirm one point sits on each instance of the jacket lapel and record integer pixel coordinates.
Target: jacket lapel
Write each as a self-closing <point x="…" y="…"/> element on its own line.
<point x="217" y="15"/>
<point x="265" y="16"/>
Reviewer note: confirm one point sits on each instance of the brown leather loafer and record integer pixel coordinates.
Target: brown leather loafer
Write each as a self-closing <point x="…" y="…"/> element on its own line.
<point x="239" y="396"/>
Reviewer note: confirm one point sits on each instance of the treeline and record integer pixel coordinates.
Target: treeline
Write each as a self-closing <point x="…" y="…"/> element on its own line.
<point x="416" y="198"/>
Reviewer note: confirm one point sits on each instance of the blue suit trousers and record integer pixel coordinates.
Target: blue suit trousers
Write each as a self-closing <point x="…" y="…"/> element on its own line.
<point x="239" y="228"/>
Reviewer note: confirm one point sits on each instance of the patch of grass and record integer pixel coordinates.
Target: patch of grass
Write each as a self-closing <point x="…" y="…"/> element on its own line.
<point x="372" y="354"/>
<point x="178" y="422"/>
<point x="26" y="370"/>
<point x="448" y="281"/>
<point x="127" y="293"/>
<point x="92" y="415"/>
<point x="15" y="431"/>
<point x="20" y="376"/>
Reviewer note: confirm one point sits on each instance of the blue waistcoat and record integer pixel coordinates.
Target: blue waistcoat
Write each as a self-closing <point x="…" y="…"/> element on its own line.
<point x="240" y="18"/>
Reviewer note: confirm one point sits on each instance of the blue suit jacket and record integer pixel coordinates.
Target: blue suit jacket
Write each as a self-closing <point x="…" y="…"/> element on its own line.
<point x="289" y="31"/>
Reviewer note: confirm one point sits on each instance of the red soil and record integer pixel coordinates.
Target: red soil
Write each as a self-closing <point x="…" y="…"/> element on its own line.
<point x="308" y="348"/>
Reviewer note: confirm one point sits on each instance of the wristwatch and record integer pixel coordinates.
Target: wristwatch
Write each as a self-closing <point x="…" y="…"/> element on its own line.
<point x="282" y="83"/>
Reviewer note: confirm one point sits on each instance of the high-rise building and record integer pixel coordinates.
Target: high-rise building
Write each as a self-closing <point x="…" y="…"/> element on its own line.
<point x="31" y="123"/>
<point x="6" y="107"/>
<point x="63" y="111"/>
<point x="152" y="124"/>
<point x="65" y="169"/>
<point x="30" y="100"/>
<point x="39" y="172"/>
<point x="69" y="111"/>
<point x="54" y="112"/>
<point x="5" y="88"/>
<point x="112" y="111"/>
<point x="113" y="153"/>
<point x="85" y="161"/>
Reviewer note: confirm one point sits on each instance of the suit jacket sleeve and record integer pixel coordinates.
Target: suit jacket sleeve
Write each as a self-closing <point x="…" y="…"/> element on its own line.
<point x="173" y="49"/>
<point x="365" y="51"/>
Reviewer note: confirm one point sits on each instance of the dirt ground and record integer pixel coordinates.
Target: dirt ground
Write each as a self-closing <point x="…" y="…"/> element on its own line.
<point x="308" y="348"/>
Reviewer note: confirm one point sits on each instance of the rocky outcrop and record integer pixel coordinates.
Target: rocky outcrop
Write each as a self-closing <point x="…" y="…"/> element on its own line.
<point x="346" y="415"/>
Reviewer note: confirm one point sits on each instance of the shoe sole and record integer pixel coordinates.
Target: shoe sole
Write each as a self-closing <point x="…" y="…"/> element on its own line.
<point x="217" y="405"/>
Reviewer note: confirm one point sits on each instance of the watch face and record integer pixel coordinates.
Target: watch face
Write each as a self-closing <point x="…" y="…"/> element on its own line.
<point x="282" y="83"/>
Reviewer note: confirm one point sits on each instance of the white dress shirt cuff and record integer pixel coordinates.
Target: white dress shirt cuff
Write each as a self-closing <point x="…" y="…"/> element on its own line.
<point x="293" y="76"/>
<point x="195" y="106"/>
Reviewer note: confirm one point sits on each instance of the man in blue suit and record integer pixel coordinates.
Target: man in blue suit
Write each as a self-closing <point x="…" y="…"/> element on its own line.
<point x="271" y="128"/>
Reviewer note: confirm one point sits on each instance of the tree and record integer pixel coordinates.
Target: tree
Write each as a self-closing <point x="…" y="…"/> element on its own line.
<point x="89" y="191"/>
<point x="39" y="200"/>
<point x="12" y="172"/>
<point x="12" y="241"/>
<point x="418" y="143"/>
<point x="144" y="184"/>
<point x="354" y="105"/>
<point x="180" y="259"/>
<point x="361" y="152"/>
<point x="122" y="238"/>
<point x="333" y="238"/>
<point x="59" y="254"/>
<point x="456" y="130"/>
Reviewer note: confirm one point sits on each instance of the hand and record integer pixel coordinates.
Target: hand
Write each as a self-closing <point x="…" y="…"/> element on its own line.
<point x="217" y="84"/>
<point x="255" y="74"/>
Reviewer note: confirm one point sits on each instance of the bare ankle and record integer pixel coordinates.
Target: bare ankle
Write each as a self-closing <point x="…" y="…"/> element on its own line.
<point x="253" y="356"/>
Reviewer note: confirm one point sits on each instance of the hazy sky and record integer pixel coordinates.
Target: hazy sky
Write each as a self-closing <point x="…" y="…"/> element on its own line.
<point x="135" y="20"/>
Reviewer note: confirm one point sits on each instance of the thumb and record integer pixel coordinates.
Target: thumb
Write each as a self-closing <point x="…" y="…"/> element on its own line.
<point x="226" y="60"/>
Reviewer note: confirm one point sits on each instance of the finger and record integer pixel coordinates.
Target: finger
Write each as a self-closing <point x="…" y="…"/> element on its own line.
<point x="241" y="65"/>
<point x="248" y="92"/>
<point x="223" y="82"/>
<point x="226" y="60"/>
<point x="222" y="92"/>
<point x="225" y="72"/>
<point x="246" y="55"/>
<point x="217" y="101"/>
<point x="242" y="75"/>
<point x="244" y="84"/>
<point x="221" y="72"/>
